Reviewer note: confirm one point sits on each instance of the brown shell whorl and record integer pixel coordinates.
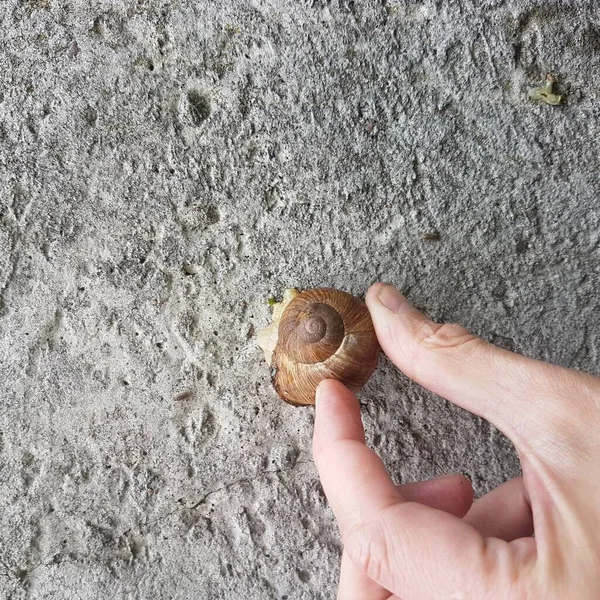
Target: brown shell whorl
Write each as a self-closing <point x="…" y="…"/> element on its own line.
<point x="310" y="331"/>
<point x="323" y="333"/>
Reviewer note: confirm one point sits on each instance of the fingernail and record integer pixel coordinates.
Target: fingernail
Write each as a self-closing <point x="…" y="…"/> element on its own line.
<point x="391" y="298"/>
<point x="317" y="394"/>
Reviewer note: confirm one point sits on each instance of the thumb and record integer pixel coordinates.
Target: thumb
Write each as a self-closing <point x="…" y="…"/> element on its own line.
<point x="521" y="396"/>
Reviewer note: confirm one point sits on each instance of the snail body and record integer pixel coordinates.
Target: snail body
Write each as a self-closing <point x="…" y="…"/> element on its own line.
<point x="319" y="334"/>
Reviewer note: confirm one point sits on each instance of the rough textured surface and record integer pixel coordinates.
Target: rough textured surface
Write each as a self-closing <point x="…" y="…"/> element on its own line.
<point x="166" y="166"/>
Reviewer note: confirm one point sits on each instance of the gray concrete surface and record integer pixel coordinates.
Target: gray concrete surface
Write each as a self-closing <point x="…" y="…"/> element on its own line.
<point x="264" y="144"/>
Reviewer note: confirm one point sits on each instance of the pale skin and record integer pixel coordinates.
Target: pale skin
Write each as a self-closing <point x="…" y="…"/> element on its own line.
<point x="534" y="537"/>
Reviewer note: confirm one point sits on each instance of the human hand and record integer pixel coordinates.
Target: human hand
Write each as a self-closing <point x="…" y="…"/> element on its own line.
<point x="429" y="540"/>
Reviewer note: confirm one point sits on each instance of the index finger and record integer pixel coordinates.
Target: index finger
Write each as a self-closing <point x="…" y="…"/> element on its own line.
<point x="408" y="548"/>
<point x="364" y="479"/>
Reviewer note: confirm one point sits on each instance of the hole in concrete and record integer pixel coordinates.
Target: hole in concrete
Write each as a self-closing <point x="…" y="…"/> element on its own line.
<point x="199" y="107"/>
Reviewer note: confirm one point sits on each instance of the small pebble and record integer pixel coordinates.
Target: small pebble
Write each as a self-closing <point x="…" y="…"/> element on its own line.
<point x="73" y="51"/>
<point x="191" y="269"/>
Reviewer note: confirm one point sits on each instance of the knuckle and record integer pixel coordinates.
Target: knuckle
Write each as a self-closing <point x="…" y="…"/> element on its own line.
<point x="447" y="337"/>
<point x="432" y="338"/>
<point x="367" y="548"/>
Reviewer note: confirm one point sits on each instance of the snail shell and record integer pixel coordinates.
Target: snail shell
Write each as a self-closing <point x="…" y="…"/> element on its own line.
<point x="320" y="334"/>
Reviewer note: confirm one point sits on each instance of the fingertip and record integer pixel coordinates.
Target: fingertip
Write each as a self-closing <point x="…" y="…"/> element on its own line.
<point x="467" y="486"/>
<point x="325" y="395"/>
<point x="397" y="323"/>
<point x="333" y="397"/>
<point x="386" y="296"/>
<point x="451" y="493"/>
<point x="337" y="414"/>
<point x="464" y="494"/>
<point x="373" y="291"/>
<point x="324" y="391"/>
<point x="462" y="483"/>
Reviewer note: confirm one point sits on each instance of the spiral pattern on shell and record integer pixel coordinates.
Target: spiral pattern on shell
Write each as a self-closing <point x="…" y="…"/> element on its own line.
<point x="323" y="334"/>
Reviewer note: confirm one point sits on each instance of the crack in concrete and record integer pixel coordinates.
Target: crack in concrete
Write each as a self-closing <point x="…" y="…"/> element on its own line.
<point x="203" y="499"/>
